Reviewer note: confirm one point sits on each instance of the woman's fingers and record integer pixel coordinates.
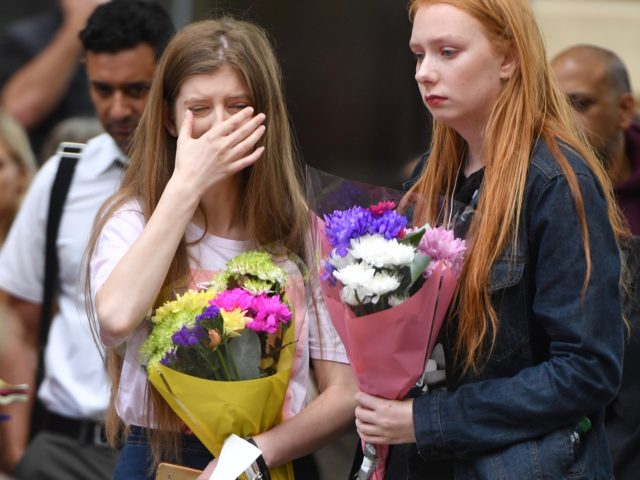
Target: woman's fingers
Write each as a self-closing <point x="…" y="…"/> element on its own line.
<point x="368" y="401"/>
<point x="233" y="123"/>
<point x="379" y="420"/>
<point x="248" y="144"/>
<point x="245" y="129"/>
<point x="247" y="161"/>
<point x="223" y="150"/>
<point x="187" y="126"/>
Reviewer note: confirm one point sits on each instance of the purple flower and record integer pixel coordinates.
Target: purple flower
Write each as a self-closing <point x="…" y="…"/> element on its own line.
<point x="343" y="225"/>
<point x="210" y="312"/>
<point x="185" y="337"/>
<point x="326" y="272"/>
<point x="169" y="358"/>
<point x="390" y="224"/>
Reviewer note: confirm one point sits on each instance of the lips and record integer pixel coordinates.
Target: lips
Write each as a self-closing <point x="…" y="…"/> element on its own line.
<point x="434" y="100"/>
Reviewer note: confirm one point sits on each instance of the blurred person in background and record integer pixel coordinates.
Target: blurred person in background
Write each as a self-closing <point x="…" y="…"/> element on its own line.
<point x="597" y="84"/>
<point x="74" y="129"/>
<point x="17" y="167"/>
<point x="122" y="41"/>
<point x="42" y="80"/>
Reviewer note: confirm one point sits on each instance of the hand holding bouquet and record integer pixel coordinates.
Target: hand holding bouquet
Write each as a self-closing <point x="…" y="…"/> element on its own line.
<point x="221" y="356"/>
<point x="387" y="288"/>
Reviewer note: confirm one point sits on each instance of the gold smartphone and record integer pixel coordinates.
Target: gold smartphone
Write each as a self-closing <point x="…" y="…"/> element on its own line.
<point x="170" y="471"/>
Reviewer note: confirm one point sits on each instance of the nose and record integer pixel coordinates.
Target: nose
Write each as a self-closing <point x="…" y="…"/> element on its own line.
<point x="219" y="115"/>
<point x="425" y="72"/>
<point x="119" y="108"/>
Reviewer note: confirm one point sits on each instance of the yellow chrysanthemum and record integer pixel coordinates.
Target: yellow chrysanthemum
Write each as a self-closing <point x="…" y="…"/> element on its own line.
<point x="233" y="321"/>
<point x="190" y="301"/>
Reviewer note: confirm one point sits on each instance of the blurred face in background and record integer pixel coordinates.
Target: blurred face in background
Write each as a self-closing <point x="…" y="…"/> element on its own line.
<point x="596" y="101"/>
<point x="119" y="83"/>
<point x="13" y="181"/>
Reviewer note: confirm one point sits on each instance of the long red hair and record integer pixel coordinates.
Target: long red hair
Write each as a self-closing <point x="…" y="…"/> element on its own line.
<point x="531" y="107"/>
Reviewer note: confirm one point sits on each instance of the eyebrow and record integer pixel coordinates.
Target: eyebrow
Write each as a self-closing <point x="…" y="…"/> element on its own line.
<point x="444" y="38"/>
<point x="197" y="98"/>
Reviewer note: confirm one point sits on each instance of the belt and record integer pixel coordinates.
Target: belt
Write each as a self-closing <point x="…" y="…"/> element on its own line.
<point x="84" y="431"/>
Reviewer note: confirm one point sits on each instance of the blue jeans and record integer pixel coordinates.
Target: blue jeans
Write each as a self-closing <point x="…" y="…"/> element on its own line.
<point x="135" y="459"/>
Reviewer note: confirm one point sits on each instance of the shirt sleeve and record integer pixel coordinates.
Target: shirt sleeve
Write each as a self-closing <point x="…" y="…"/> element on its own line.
<point x="118" y="234"/>
<point x="22" y="255"/>
<point x="324" y="342"/>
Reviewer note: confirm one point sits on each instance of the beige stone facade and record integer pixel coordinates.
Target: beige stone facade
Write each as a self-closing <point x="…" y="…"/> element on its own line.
<point x="613" y="24"/>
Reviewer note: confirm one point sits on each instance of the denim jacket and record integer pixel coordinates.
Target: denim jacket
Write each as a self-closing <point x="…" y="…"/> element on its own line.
<point x="557" y="356"/>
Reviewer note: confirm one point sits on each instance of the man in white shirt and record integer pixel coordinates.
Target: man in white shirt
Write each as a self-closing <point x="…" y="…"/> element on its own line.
<point x="122" y="42"/>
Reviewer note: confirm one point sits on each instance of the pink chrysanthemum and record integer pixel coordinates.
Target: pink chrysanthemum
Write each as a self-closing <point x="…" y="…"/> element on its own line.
<point x="440" y="244"/>
<point x="229" y="300"/>
<point x="270" y="312"/>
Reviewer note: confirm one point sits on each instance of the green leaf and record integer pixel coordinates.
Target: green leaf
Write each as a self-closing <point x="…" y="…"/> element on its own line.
<point x="245" y="354"/>
<point x="418" y="266"/>
<point x="413" y="238"/>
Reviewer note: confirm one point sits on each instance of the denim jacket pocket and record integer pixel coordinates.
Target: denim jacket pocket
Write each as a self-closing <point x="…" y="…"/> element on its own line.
<point x="552" y="456"/>
<point x="506" y="272"/>
<point x="507" y="290"/>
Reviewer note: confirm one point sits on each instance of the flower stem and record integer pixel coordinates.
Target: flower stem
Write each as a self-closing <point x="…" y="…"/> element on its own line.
<point x="224" y="364"/>
<point x="209" y="363"/>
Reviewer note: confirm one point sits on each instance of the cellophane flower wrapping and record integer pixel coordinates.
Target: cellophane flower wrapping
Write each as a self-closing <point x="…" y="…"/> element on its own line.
<point x="221" y="355"/>
<point x="386" y="284"/>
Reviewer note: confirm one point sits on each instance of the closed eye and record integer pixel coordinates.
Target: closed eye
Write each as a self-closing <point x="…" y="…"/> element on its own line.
<point x="198" y="108"/>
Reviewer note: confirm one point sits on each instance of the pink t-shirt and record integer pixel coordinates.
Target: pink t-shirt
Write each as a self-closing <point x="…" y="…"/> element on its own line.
<point x="316" y="337"/>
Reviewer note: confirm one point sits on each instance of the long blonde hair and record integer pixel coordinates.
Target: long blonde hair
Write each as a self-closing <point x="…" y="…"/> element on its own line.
<point x="14" y="138"/>
<point x="273" y="208"/>
<point x="530" y="107"/>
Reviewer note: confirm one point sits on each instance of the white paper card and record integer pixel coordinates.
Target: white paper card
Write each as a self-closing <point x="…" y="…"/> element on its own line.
<point x="236" y="456"/>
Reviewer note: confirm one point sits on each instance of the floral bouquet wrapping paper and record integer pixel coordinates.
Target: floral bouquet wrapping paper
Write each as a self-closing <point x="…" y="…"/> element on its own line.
<point x="221" y="356"/>
<point x="387" y="287"/>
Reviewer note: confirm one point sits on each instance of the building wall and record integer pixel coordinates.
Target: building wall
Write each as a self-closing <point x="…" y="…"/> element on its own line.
<point x="612" y="24"/>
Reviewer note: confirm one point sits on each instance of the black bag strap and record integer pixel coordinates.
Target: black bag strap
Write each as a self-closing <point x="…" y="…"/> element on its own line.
<point x="69" y="153"/>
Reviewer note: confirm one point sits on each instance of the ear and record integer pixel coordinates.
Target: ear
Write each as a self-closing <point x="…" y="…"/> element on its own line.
<point x="509" y="64"/>
<point x="627" y="110"/>
<point x="169" y="122"/>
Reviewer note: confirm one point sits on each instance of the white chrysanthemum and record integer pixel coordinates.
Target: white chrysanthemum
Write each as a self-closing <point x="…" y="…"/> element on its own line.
<point x="395" y="300"/>
<point x="352" y="296"/>
<point x="340" y="262"/>
<point x="380" y="252"/>
<point x="383" y="283"/>
<point x="355" y="275"/>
